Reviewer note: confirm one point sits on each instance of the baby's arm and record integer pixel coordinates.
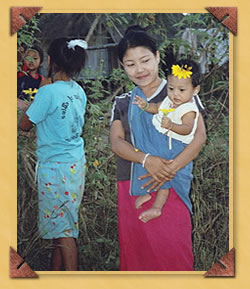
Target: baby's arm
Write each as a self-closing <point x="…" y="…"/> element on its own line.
<point x="144" y="105"/>
<point x="185" y="128"/>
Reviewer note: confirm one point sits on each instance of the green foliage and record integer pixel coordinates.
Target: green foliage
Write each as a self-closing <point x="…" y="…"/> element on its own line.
<point x="194" y="20"/>
<point x="208" y="32"/>
<point x="126" y="19"/>
<point x="27" y="35"/>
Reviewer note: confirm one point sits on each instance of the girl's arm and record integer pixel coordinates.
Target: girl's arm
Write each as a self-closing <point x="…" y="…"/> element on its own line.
<point x="21" y="104"/>
<point x="185" y="128"/>
<point x="156" y="166"/>
<point x="25" y="124"/>
<point x="144" y="105"/>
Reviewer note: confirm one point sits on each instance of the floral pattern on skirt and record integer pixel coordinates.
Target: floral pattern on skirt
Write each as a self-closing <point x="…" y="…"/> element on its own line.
<point x="60" y="191"/>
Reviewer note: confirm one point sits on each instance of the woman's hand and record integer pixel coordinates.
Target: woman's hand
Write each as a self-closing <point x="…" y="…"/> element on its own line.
<point x="161" y="171"/>
<point x="152" y="183"/>
<point x="159" y="168"/>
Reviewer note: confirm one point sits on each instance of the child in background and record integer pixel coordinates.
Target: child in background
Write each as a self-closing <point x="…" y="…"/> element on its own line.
<point x="29" y="79"/>
<point x="176" y="116"/>
<point x="58" y="113"/>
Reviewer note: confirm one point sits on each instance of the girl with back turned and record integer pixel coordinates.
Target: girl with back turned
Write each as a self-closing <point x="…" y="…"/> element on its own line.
<point x="58" y="113"/>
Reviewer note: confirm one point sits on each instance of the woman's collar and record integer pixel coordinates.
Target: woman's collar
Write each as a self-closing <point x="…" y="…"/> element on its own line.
<point x="158" y="90"/>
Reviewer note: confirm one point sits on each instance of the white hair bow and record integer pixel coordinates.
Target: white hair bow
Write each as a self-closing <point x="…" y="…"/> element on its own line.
<point x="77" y="42"/>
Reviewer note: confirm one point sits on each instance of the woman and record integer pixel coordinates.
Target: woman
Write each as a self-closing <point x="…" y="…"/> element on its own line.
<point x="164" y="243"/>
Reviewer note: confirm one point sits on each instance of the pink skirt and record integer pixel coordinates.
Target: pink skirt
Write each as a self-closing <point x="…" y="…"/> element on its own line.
<point x="162" y="244"/>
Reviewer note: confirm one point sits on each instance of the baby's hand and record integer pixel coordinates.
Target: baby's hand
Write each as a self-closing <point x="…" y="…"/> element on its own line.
<point x="166" y="122"/>
<point x="141" y="102"/>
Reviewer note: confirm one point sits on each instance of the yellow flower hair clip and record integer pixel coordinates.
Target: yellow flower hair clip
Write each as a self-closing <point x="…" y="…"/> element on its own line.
<point x="182" y="72"/>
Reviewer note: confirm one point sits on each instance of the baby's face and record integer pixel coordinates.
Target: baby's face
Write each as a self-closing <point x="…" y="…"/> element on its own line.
<point x="181" y="90"/>
<point x="32" y="60"/>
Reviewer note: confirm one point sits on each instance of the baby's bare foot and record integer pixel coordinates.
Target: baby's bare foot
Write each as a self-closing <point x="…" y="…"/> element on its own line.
<point x="150" y="214"/>
<point x="141" y="200"/>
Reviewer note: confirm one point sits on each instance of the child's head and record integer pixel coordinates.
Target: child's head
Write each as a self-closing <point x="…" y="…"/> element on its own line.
<point x="33" y="58"/>
<point x="67" y="55"/>
<point x="183" y="81"/>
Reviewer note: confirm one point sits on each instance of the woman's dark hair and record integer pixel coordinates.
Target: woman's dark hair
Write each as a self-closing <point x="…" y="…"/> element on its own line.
<point x="69" y="60"/>
<point x="135" y="36"/>
<point x="195" y="76"/>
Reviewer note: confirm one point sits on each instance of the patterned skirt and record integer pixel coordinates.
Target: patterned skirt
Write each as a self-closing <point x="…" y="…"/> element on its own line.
<point x="60" y="191"/>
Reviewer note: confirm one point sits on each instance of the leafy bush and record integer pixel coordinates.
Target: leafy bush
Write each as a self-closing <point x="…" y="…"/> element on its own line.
<point x="26" y="36"/>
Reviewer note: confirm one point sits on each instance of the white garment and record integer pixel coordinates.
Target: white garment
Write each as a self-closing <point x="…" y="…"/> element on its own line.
<point x="176" y="116"/>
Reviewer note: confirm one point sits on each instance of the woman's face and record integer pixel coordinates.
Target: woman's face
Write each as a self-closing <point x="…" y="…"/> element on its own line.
<point x="141" y="65"/>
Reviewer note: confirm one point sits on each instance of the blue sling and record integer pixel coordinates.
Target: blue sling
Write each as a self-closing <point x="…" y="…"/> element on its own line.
<point x="147" y="139"/>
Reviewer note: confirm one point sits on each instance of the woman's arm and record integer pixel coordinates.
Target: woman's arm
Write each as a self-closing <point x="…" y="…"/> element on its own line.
<point x="121" y="147"/>
<point x="156" y="166"/>
<point x="186" y="156"/>
<point x="193" y="149"/>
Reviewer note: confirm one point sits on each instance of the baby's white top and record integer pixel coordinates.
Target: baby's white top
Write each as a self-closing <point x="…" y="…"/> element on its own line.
<point x="176" y="116"/>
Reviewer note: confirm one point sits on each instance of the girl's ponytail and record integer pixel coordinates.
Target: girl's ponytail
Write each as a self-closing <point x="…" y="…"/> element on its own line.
<point x="67" y="55"/>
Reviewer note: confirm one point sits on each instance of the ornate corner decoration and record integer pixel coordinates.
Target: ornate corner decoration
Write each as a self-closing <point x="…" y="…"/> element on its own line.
<point x="227" y="16"/>
<point x="19" y="268"/>
<point x="20" y="15"/>
<point x="224" y="267"/>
